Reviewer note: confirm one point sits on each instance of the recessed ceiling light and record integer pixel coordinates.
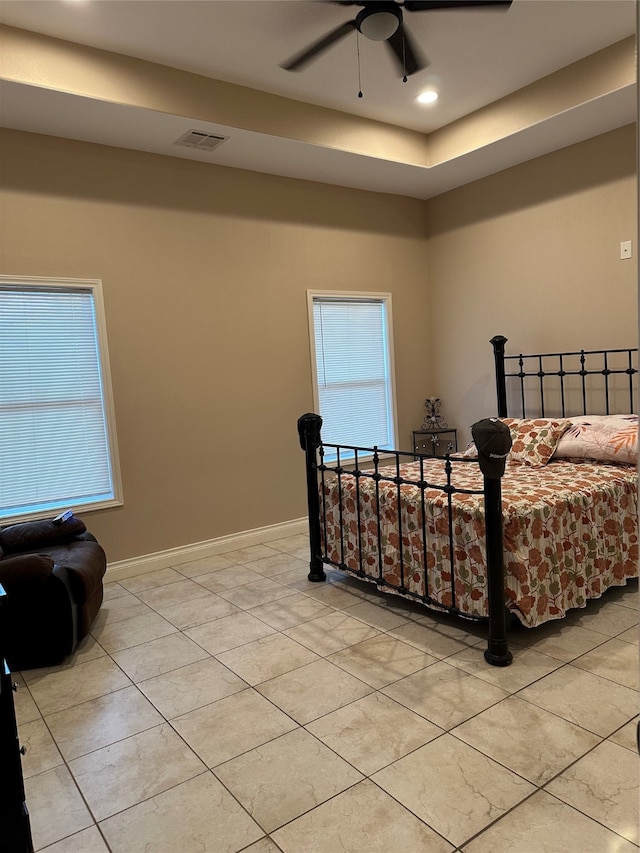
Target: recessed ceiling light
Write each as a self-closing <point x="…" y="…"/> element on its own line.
<point x="427" y="97"/>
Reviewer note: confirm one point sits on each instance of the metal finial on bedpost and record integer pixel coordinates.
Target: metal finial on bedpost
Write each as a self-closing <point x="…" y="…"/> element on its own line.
<point x="498" y="342"/>
<point x="309" y="426"/>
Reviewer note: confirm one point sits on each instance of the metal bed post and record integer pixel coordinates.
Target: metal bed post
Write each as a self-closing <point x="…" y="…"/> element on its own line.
<point x="309" y="426"/>
<point x="497" y="652"/>
<point x="501" y="386"/>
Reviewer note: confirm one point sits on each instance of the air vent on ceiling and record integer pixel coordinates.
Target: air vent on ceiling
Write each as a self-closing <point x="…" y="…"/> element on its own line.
<point x="199" y="139"/>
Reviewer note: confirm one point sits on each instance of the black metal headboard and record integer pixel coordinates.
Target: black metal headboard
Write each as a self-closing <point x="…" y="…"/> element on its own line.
<point x="557" y="384"/>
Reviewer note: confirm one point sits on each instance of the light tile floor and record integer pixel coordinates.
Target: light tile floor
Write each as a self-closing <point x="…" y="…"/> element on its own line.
<point x="229" y="704"/>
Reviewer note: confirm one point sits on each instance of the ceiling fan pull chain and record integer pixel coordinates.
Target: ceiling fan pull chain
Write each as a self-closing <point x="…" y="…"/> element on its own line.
<point x="358" y="53"/>
<point x="404" y="58"/>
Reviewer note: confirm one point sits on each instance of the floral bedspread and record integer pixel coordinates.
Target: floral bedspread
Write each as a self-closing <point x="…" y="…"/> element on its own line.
<point x="570" y="532"/>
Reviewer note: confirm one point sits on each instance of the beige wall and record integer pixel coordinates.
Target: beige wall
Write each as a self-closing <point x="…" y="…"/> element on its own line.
<point x="205" y="272"/>
<point x="532" y="253"/>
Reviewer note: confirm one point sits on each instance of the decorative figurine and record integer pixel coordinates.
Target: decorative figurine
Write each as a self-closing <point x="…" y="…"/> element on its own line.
<point x="433" y="419"/>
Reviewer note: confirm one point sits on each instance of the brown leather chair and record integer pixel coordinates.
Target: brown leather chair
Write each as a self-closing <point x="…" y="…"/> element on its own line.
<point x="53" y="576"/>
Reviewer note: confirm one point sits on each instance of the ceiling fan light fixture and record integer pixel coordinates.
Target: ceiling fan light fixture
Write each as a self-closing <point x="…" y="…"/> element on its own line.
<point x="381" y="23"/>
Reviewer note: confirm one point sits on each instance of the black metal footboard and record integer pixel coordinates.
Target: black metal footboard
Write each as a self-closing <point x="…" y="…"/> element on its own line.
<point x="372" y="569"/>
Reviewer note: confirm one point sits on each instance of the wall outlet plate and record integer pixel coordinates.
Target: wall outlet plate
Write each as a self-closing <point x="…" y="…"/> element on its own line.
<point x="625" y="249"/>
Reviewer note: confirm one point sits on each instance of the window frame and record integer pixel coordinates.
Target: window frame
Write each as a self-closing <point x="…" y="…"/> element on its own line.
<point x="47" y="283"/>
<point x="357" y="296"/>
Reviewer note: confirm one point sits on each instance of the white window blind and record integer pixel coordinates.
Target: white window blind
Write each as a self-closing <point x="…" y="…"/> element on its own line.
<point x="353" y="369"/>
<point x="56" y="439"/>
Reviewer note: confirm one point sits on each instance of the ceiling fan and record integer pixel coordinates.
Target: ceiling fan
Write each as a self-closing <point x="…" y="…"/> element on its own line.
<point x="382" y="21"/>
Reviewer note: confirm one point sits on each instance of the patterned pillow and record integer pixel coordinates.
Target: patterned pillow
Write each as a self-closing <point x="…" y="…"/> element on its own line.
<point x="605" y="438"/>
<point x="535" y="439"/>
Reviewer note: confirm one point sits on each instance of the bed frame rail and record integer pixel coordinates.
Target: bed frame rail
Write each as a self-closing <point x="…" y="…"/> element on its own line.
<point x="318" y="470"/>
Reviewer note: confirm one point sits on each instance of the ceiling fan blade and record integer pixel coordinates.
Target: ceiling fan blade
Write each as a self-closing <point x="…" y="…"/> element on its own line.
<point x="298" y="62"/>
<point x="406" y="52"/>
<point x="428" y="5"/>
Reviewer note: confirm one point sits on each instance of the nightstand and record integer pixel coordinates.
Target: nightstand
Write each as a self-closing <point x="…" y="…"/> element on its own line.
<point x="435" y="442"/>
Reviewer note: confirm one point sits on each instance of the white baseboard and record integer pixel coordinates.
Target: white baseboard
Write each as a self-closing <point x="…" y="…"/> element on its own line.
<point x="123" y="569"/>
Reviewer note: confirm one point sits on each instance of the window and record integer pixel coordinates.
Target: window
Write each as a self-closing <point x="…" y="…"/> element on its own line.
<point x="353" y="367"/>
<point x="57" y="435"/>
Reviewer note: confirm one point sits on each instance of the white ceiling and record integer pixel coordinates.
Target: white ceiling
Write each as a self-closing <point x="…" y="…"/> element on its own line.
<point x="475" y="57"/>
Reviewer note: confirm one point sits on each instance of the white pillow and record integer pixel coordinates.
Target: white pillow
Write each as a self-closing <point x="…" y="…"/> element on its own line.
<point x="605" y="438"/>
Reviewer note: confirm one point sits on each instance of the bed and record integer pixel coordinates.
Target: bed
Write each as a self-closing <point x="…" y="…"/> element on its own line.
<point x="559" y="528"/>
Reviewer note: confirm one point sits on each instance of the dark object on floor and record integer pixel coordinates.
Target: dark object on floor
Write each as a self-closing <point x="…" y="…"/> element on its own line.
<point x="52" y="574"/>
<point x="14" y="814"/>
